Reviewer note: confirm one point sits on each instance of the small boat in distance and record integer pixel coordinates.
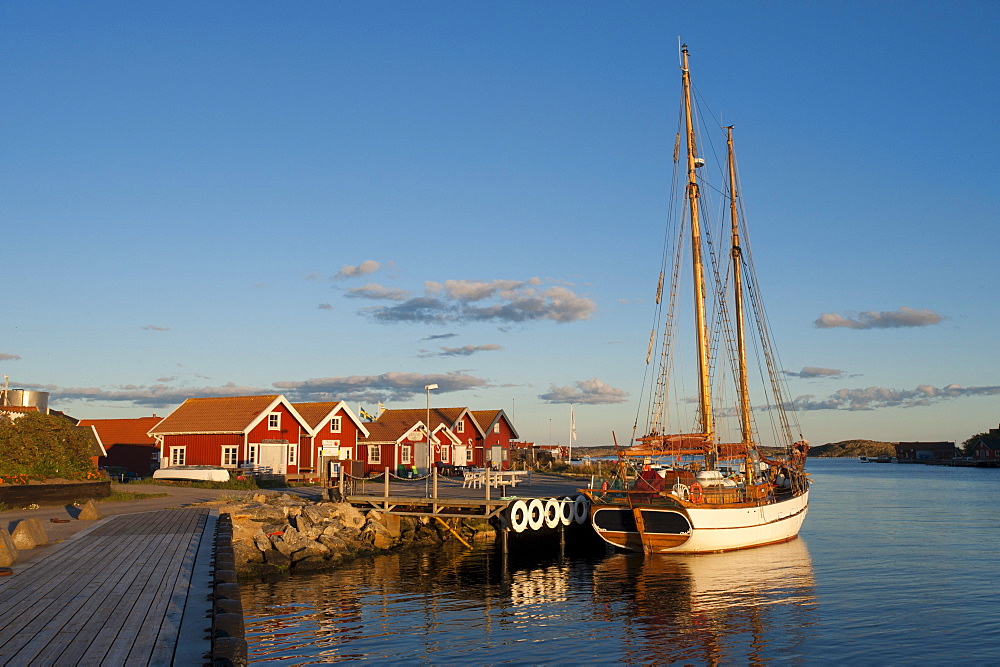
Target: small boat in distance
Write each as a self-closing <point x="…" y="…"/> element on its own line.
<point x="688" y="485"/>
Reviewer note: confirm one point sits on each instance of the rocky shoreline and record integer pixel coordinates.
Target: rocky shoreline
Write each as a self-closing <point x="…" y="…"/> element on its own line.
<point x="275" y="533"/>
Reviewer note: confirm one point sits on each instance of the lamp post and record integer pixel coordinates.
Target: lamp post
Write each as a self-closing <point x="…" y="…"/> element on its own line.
<point x="427" y="425"/>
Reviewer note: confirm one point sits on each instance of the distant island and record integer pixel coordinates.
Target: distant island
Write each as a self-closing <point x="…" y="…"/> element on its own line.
<point x="843" y="449"/>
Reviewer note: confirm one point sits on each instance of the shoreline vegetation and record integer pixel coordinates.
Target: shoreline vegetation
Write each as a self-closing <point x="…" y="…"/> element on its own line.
<point x="843" y="449"/>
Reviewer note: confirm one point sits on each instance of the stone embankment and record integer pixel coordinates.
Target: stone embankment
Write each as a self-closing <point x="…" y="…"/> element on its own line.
<point x="281" y="532"/>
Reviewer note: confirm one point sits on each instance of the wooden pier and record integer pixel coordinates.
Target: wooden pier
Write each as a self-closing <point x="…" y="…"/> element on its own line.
<point x="448" y="498"/>
<point x="136" y="589"/>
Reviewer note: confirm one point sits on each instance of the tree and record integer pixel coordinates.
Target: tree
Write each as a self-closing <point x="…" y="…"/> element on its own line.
<point x="987" y="436"/>
<point x="44" y="446"/>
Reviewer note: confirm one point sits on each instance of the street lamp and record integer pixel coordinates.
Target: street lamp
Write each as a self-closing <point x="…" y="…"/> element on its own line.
<point x="427" y="425"/>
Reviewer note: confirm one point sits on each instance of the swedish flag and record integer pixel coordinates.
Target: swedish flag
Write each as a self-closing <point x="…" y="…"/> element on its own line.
<point x="365" y="415"/>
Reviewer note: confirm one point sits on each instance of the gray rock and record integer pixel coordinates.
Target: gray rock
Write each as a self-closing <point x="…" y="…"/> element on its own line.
<point x="275" y="557"/>
<point x="90" y="512"/>
<point x="8" y="552"/>
<point x="333" y="543"/>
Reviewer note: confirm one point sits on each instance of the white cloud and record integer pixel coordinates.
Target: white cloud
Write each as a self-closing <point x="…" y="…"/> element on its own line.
<point x="869" y="319"/>
<point x="378" y="292"/>
<point x="872" y="398"/>
<point x="4" y="356"/>
<point x="592" y="391"/>
<point x="394" y="386"/>
<point x="362" y="269"/>
<point x="464" y="351"/>
<point x="815" y="372"/>
<point x="463" y="301"/>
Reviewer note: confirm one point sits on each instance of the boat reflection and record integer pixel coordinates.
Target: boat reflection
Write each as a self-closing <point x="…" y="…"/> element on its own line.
<point x="738" y="606"/>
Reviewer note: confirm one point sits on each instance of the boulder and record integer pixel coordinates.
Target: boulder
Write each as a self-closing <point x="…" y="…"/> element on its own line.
<point x="29" y="534"/>
<point x="248" y="552"/>
<point x="307" y="549"/>
<point x="334" y="544"/>
<point x="90" y="512"/>
<point x="8" y="552"/>
<point x="275" y="557"/>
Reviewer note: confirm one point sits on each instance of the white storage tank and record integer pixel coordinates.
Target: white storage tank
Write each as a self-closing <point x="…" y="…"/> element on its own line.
<point x="27" y="398"/>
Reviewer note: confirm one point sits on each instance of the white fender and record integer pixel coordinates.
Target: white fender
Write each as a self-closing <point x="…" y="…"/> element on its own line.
<point x="552" y="513"/>
<point x="519" y="516"/>
<point x="536" y="513"/>
<point x="566" y="511"/>
<point x="581" y="509"/>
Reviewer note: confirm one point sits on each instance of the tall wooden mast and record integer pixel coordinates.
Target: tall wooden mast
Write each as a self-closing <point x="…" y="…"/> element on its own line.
<point x="705" y="394"/>
<point x="736" y="255"/>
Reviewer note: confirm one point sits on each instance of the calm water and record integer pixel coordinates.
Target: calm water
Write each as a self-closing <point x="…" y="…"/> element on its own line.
<point x="895" y="564"/>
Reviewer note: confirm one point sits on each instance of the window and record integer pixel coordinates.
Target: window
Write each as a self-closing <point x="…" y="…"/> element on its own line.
<point x="460" y="427"/>
<point x="252" y="454"/>
<point x="335" y="425"/>
<point x="503" y="454"/>
<point x="374" y="454"/>
<point x="468" y="455"/>
<point x="496" y="427"/>
<point x="291" y="455"/>
<point x="155" y="456"/>
<point x="406" y="454"/>
<point x="274" y="421"/>
<point x="178" y="456"/>
<point x="445" y="455"/>
<point x="229" y="457"/>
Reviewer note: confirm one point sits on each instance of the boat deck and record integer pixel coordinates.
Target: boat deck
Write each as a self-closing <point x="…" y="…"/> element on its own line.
<point x="132" y="590"/>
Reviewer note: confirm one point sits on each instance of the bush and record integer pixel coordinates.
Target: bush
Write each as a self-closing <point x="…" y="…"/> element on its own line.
<point x="43" y="446"/>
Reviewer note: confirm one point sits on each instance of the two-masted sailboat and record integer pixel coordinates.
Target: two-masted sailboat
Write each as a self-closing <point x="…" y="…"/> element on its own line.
<point x="707" y="489"/>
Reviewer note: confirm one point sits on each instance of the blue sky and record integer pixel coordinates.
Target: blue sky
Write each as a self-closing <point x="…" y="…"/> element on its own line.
<point x="350" y="200"/>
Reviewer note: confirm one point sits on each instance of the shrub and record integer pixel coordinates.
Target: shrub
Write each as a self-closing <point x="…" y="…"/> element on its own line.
<point x="42" y="446"/>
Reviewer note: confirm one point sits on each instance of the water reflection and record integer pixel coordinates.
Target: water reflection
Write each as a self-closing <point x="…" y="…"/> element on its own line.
<point x="745" y="605"/>
<point x="450" y="605"/>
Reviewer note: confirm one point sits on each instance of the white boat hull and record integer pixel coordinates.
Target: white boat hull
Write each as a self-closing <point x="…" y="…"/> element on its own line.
<point x="193" y="473"/>
<point x="701" y="530"/>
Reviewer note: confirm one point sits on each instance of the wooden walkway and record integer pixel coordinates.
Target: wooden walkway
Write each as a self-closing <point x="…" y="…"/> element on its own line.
<point x="133" y="590"/>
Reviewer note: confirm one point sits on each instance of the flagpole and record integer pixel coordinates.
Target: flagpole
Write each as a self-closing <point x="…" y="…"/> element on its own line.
<point x="572" y="432"/>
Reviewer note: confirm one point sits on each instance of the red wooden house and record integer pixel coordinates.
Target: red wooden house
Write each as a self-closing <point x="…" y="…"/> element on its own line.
<point x="988" y="448"/>
<point x="498" y="432"/>
<point x="264" y="432"/>
<point x="332" y="426"/>
<point x="455" y="434"/>
<point x="127" y="443"/>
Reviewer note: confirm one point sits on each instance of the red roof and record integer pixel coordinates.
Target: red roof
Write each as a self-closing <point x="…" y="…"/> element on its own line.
<point x="123" y="431"/>
<point x="225" y="414"/>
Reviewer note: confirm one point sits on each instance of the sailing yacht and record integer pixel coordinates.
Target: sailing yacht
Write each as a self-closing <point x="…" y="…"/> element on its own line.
<point x="688" y="485"/>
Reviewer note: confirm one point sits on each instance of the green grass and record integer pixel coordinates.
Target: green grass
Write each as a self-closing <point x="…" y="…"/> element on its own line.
<point x="248" y="484"/>
<point x="117" y="496"/>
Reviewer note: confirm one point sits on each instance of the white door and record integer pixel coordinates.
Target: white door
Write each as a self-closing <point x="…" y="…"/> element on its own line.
<point x="274" y="457"/>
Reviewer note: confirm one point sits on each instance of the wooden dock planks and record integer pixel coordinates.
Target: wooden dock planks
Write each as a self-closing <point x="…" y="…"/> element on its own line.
<point x="115" y="594"/>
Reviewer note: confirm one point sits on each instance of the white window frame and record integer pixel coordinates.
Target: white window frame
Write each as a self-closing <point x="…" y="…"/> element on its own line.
<point x="252" y="452"/>
<point x="460" y="427"/>
<point x="374" y="454"/>
<point x="335" y="425"/>
<point x="274" y="421"/>
<point x="406" y="454"/>
<point x="445" y="456"/>
<point x="291" y="454"/>
<point x="230" y="456"/>
<point x="178" y="455"/>
<point x="496" y="427"/>
<point x="468" y="455"/>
